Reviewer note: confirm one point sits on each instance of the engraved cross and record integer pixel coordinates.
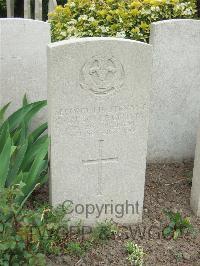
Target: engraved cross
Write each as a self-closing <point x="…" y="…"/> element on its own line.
<point x="100" y="161"/>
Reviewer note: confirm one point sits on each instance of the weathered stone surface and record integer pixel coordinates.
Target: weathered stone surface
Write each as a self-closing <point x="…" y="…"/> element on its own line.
<point x="175" y="95"/>
<point x="10" y="8"/>
<point x="98" y="95"/>
<point x="23" y="61"/>
<point x="52" y="5"/>
<point x="195" y="192"/>
<point x="27" y="9"/>
<point x="38" y="9"/>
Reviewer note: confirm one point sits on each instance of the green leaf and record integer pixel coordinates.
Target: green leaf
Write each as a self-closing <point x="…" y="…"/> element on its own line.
<point x="23" y="200"/>
<point x="35" y="109"/>
<point x="13" y="149"/>
<point x="18" y="159"/>
<point x="3" y="135"/>
<point x="172" y="224"/>
<point x="44" y="177"/>
<point x="5" y="161"/>
<point x="24" y="114"/>
<point x="186" y="222"/>
<point x="16" y="136"/>
<point x="177" y="217"/>
<point x="167" y="231"/>
<point x="36" y="168"/>
<point x="23" y="157"/>
<point x="20" y="177"/>
<point x="1" y="227"/>
<point x="32" y="152"/>
<point x="2" y="112"/>
<point x="37" y="132"/>
<point x="25" y="101"/>
<point x="177" y="233"/>
<point x="23" y="134"/>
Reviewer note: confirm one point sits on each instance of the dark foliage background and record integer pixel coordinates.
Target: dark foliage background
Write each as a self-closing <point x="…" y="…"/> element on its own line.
<point x="19" y="6"/>
<point x="198" y="7"/>
<point x="2" y="8"/>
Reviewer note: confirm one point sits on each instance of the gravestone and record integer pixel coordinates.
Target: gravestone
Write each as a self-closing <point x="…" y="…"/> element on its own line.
<point x="52" y="5"/>
<point x="10" y="5"/>
<point x="23" y="61"/>
<point x="175" y="95"/>
<point x="195" y="192"/>
<point x="27" y="9"/>
<point x="98" y="95"/>
<point x="38" y="9"/>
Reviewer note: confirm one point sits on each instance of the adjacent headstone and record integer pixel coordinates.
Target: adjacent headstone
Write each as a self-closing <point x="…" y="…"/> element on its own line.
<point x="175" y="95"/>
<point x="10" y="5"/>
<point x="27" y="9"/>
<point x="38" y="9"/>
<point x="52" y="5"/>
<point x="195" y="192"/>
<point x="98" y="95"/>
<point x="23" y="61"/>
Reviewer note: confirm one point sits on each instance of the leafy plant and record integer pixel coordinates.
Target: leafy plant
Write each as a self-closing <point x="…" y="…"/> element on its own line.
<point x="15" y="237"/>
<point x="104" y="231"/>
<point x="178" y="255"/>
<point x="177" y="225"/>
<point x="135" y="253"/>
<point x="75" y="248"/>
<point x="2" y="8"/>
<point x="126" y="19"/>
<point x="23" y="154"/>
<point x="26" y="236"/>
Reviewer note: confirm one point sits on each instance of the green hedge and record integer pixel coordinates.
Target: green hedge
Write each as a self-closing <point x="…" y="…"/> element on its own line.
<point x="122" y="18"/>
<point x="2" y="8"/>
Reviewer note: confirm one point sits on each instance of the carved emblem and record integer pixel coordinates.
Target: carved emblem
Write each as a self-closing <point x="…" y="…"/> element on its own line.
<point x="102" y="75"/>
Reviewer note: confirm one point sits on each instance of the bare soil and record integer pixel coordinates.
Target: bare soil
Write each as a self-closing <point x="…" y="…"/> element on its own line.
<point x="167" y="187"/>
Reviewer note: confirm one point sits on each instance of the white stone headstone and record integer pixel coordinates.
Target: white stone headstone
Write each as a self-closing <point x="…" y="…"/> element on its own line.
<point x="23" y="61"/>
<point x="27" y="8"/>
<point x="52" y="5"/>
<point x="10" y="5"/>
<point x="98" y="95"/>
<point x="175" y="95"/>
<point x="195" y="192"/>
<point x="38" y="9"/>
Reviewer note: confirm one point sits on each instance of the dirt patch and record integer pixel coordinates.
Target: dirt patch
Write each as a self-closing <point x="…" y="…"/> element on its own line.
<point x="167" y="187"/>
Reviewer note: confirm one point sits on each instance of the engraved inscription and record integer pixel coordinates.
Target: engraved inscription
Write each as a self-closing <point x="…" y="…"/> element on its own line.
<point x="102" y="74"/>
<point x="88" y="121"/>
<point x="99" y="161"/>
